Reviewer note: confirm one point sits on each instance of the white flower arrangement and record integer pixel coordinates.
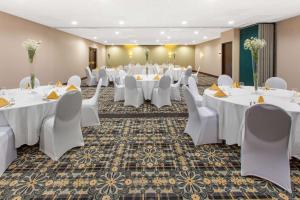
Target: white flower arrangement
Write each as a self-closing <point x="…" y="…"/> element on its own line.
<point x="254" y="45"/>
<point x="31" y="46"/>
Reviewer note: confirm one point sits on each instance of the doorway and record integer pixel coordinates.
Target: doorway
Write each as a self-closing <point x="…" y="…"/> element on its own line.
<point x="227" y="58"/>
<point x="92" y="58"/>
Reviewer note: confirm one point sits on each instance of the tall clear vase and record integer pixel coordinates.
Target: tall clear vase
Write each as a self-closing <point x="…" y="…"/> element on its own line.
<point x="255" y="75"/>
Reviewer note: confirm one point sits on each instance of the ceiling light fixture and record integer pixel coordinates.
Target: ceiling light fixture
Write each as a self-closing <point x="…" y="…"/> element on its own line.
<point x="157" y="41"/>
<point x="196" y="32"/>
<point x="162" y="32"/>
<point x="231" y="22"/>
<point x="95" y="38"/>
<point x="121" y="22"/>
<point x="117" y="32"/>
<point x="184" y="22"/>
<point x="74" y="23"/>
<point x="205" y="37"/>
<point x="168" y="37"/>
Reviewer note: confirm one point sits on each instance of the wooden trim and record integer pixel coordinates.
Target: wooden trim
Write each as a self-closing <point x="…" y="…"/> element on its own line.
<point x="209" y="74"/>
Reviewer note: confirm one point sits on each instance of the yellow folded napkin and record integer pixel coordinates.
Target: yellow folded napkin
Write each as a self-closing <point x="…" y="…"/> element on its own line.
<point x="3" y="102"/>
<point x="214" y="87"/>
<point x="53" y="95"/>
<point x="267" y="87"/>
<point x="157" y="77"/>
<point x="58" y="84"/>
<point x="220" y="93"/>
<point x="71" y="87"/>
<point x="236" y="85"/>
<point x="260" y="99"/>
<point x="28" y="86"/>
<point x="138" y="77"/>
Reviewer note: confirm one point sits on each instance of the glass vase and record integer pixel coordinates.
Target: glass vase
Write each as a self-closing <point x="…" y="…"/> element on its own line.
<point x="255" y="75"/>
<point x="32" y="80"/>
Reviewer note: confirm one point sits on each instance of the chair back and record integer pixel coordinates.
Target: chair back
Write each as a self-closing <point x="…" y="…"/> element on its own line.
<point x="165" y="82"/>
<point x="268" y="123"/>
<point x="88" y="72"/>
<point x="225" y="80"/>
<point x="276" y="82"/>
<point x="193" y="86"/>
<point x="96" y="96"/>
<point x="188" y="72"/>
<point x="27" y="80"/>
<point x="190" y="100"/>
<point x="130" y="83"/>
<point x="74" y="80"/>
<point x="198" y="70"/>
<point x="102" y="74"/>
<point x="68" y="110"/>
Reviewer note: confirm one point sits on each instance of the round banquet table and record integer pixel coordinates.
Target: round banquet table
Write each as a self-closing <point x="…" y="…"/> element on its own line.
<point x="231" y="112"/>
<point x="176" y="73"/>
<point x="26" y="115"/>
<point x="148" y="83"/>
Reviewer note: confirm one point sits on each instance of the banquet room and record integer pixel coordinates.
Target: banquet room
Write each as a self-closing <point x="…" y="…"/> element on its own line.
<point x="150" y="100"/>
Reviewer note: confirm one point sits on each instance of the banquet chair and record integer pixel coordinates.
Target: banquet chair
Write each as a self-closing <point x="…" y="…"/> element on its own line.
<point x="104" y="77"/>
<point x="195" y="75"/>
<point x="8" y="152"/>
<point x="89" y="109"/>
<point x="175" y="90"/>
<point x="194" y="89"/>
<point x="161" y="96"/>
<point x="169" y="73"/>
<point x="202" y="123"/>
<point x="186" y="75"/>
<point x="133" y="94"/>
<point x="27" y="80"/>
<point x="264" y="150"/>
<point x="122" y="74"/>
<point x="225" y="80"/>
<point x="74" y="80"/>
<point x="91" y="80"/>
<point x="276" y="82"/>
<point x="119" y="89"/>
<point x="62" y="132"/>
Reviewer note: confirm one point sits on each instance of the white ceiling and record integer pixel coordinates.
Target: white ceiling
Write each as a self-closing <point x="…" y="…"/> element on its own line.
<point x="145" y="19"/>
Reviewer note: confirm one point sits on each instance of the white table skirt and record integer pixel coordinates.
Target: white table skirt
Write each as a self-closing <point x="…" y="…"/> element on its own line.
<point x="176" y="73"/>
<point x="231" y="111"/>
<point x="111" y="73"/>
<point x="147" y="84"/>
<point x="26" y="116"/>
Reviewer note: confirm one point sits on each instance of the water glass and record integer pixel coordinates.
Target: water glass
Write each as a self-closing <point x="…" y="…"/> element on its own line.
<point x="294" y="94"/>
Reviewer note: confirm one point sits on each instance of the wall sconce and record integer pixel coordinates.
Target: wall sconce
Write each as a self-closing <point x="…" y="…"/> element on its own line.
<point x="201" y="55"/>
<point x="130" y="54"/>
<point x="170" y="54"/>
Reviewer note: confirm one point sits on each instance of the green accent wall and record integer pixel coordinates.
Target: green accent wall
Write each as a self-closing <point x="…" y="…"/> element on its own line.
<point x="245" y="55"/>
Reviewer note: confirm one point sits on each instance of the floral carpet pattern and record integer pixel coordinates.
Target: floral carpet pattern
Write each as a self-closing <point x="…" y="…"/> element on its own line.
<point x="138" y="154"/>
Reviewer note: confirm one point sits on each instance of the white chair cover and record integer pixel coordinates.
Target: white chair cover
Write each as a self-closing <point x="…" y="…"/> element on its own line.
<point x="187" y="74"/>
<point x="91" y="80"/>
<point x="62" y="132"/>
<point x="27" y="80"/>
<point x="8" y="152"/>
<point x="202" y="123"/>
<point x="122" y="75"/>
<point x="161" y="96"/>
<point x="194" y="89"/>
<point x="195" y="75"/>
<point x="169" y="73"/>
<point x="74" y="80"/>
<point x="264" y="150"/>
<point x="225" y="80"/>
<point x="119" y="89"/>
<point x="133" y="95"/>
<point x="175" y="90"/>
<point x="103" y="76"/>
<point x="276" y="82"/>
<point x="89" y="110"/>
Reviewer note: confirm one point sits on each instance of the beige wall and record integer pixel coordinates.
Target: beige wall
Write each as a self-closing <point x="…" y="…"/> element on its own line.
<point x="288" y="51"/>
<point x="119" y="55"/>
<point x="233" y="36"/>
<point x="60" y="55"/>
<point x="208" y="57"/>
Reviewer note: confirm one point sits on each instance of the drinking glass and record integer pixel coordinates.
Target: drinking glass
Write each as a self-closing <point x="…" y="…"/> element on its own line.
<point x="294" y="94"/>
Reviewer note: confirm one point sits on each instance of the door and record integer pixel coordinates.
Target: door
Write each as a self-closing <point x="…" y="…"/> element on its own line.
<point x="227" y="58"/>
<point x="93" y="58"/>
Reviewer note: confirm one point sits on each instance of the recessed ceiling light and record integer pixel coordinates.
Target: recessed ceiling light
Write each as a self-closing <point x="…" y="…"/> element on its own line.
<point x="169" y="37"/>
<point x="121" y="22"/>
<point x="105" y="41"/>
<point x="193" y="41"/>
<point x="205" y="37"/>
<point x="117" y="32"/>
<point x="95" y="38"/>
<point x="231" y="22"/>
<point x="184" y="22"/>
<point x="157" y="40"/>
<point x="74" y="22"/>
<point x="162" y="32"/>
<point x="196" y="32"/>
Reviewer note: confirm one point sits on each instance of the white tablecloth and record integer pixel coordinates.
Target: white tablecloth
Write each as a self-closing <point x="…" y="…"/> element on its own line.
<point x="111" y="73"/>
<point x="25" y="117"/>
<point x="176" y="73"/>
<point x="231" y="111"/>
<point x="147" y="84"/>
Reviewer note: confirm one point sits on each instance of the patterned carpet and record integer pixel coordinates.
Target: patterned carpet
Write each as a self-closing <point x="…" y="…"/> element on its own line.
<point x="138" y="154"/>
